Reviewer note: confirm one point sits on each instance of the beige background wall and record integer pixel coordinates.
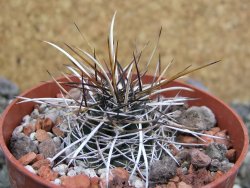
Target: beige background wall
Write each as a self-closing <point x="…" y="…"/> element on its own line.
<point x="194" y="32"/>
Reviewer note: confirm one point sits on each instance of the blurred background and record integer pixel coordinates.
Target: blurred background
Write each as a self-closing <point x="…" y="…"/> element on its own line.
<point x="194" y="32"/>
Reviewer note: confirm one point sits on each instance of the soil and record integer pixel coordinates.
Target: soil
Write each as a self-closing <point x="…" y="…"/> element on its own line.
<point x="41" y="134"/>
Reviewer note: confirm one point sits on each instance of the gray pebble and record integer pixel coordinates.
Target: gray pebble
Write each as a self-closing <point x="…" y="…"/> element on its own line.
<point x="22" y="145"/>
<point x="223" y="166"/>
<point x="48" y="148"/>
<point x="162" y="170"/>
<point x="216" y="151"/>
<point x="57" y="141"/>
<point x="71" y="173"/>
<point x="201" y="118"/>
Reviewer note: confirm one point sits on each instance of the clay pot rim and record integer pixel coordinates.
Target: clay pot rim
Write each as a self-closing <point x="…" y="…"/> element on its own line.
<point x="223" y="178"/>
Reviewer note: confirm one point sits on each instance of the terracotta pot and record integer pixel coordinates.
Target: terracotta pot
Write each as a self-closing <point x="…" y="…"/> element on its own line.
<point x="227" y="119"/>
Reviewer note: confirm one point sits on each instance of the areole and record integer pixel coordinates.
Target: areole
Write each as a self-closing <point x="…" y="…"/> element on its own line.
<point x="226" y="117"/>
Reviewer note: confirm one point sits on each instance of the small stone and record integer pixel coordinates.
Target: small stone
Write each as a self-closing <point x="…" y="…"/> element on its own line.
<point x="174" y="150"/>
<point x="231" y="155"/>
<point x="33" y="136"/>
<point x="31" y="169"/>
<point x="216" y="151"/>
<point x="47" y="124"/>
<point x="57" y="131"/>
<point x="90" y="172"/>
<point x="61" y="169"/>
<point x="57" y="181"/>
<point x="137" y="182"/>
<point x="187" y="139"/>
<point x="225" y="139"/>
<point x="57" y="141"/>
<point x="40" y="163"/>
<point x="120" y="172"/>
<point x="28" y="158"/>
<point x="52" y="114"/>
<point x="217" y="165"/>
<point x="48" y="148"/>
<point x="39" y="157"/>
<point x="171" y="185"/>
<point x="183" y="185"/>
<point x="162" y="170"/>
<point x="38" y="124"/>
<point x="71" y="173"/>
<point x="78" y="169"/>
<point x="183" y="155"/>
<point x="17" y="131"/>
<point x="118" y="178"/>
<point x="27" y="130"/>
<point x="199" y="159"/>
<point x="78" y="181"/>
<point x="42" y="135"/>
<point x="94" y="181"/>
<point x="26" y="119"/>
<point x="201" y="118"/>
<point x="35" y="114"/>
<point x="51" y="135"/>
<point x="46" y="173"/>
<point x="101" y="172"/>
<point x="36" y="142"/>
<point x="21" y="145"/>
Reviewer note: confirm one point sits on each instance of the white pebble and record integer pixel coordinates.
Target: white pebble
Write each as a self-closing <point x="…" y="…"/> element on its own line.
<point x="71" y="173"/>
<point x="26" y="119"/>
<point x="30" y="168"/>
<point x="57" y="141"/>
<point x="35" y="113"/>
<point x="137" y="182"/>
<point x="52" y="114"/>
<point x="61" y="169"/>
<point x="102" y="172"/>
<point x="17" y="130"/>
<point x="36" y="142"/>
<point x="236" y="186"/>
<point x="33" y="136"/>
<point x="78" y="169"/>
<point x="50" y="134"/>
<point x="90" y="172"/>
<point x="57" y="181"/>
